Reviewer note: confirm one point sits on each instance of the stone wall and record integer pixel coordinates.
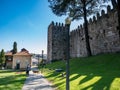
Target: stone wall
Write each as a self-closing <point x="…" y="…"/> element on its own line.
<point x="77" y="43"/>
<point x="56" y="41"/>
<point x="103" y="34"/>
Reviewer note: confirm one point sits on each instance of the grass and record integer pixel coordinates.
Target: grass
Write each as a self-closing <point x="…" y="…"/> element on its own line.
<point x="10" y="80"/>
<point x="101" y="72"/>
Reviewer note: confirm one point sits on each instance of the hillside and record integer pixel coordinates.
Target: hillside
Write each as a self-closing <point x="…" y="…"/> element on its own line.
<point x="101" y="72"/>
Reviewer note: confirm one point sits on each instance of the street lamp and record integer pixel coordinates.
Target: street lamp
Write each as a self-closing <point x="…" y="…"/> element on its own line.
<point x="42" y="60"/>
<point x="38" y="56"/>
<point x="42" y="54"/>
<point x="67" y="27"/>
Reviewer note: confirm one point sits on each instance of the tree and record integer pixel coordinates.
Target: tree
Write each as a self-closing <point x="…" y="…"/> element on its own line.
<point x="14" y="47"/>
<point x="76" y="9"/>
<point x="2" y="57"/>
<point x="115" y="3"/>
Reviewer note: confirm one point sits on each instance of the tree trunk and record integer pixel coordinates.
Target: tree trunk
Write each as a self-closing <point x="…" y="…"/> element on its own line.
<point x="116" y="5"/>
<point x="86" y="30"/>
<point x="118" y="9"/>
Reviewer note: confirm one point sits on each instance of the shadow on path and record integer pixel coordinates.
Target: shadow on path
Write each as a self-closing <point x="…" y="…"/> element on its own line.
<point x="35" y="81"/>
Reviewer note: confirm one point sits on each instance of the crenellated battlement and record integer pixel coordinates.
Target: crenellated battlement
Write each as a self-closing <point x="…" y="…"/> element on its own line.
<point x="56" y="41"/>
<point x="103" y="36"/>
<point x="57" y="24"/>
<point x="101" y="15"/>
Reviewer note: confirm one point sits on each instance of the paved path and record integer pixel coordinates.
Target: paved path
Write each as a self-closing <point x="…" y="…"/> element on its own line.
<point x="36" y="82"/>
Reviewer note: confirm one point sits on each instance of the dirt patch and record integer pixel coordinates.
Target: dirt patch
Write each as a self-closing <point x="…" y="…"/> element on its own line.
<point x="18" y="72"/>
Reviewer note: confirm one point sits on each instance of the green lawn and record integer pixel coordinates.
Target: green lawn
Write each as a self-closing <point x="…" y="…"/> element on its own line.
<point x="10" y="80"/>
<point x="101" y="72"/>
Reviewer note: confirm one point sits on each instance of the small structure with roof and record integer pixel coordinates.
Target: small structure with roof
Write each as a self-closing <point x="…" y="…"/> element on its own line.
<point x="18" y="60"/>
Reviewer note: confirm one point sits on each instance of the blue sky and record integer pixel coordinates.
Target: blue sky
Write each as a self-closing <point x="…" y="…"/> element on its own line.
<point x="26" y="22"/>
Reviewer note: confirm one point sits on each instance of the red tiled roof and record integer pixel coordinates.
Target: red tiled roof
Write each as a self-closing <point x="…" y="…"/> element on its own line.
<point x="8" y="53"/>
<point x="23" y="53"/>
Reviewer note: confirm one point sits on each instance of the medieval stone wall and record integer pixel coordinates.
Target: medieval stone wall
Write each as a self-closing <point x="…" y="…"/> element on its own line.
<point x="56" y="41"/>
<point x="49" y="42"/>
<point x="77" y="43"/>
<point x="103" y="36"/>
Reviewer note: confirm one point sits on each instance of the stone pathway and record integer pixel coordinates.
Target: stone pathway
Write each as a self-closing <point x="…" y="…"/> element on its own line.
<point x="36" y="82"/>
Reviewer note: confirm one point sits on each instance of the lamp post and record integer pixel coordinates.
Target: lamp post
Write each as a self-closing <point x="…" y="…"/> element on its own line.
<point x="67" y="27"/>
<point x="38" y="56"/>
<point x="42" y="61"/>
<point x="42" y="54"/>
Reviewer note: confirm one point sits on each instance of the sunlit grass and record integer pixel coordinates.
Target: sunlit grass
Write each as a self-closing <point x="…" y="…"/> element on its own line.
<point x="115" y="85"/>
<point x="10" y="80"/>
<point x="101" y="72"/>
<point x="75" y="82"/>
<point x="90" y="82"/>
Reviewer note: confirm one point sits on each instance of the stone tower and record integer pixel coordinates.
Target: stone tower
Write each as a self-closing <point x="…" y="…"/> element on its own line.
<point x="56" y="41"/>
<point x="103" y="34"/>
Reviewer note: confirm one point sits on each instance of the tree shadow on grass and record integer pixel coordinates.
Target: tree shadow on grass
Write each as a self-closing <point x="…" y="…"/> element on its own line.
<point x="99" y="75"/>
<point x="12" y="82"/>
<point x="6" y="71"/>
<point x="103" y="83"/>
<point x="11" y="79"/>
<point x="57" y="85"/>
<point x="55" y="75"/>
<point x="95" y="73"/>
<point x="75" y="77"/>
<point x="96" y="79"/>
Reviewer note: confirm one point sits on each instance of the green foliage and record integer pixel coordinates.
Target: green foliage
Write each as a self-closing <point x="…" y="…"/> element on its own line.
<point x="74" y="8"/>
<point x="101" y="72"/>
<point x="114" y="2"/>
<point x="2" y="57"/>
<point x="59" y="7"/>
<point x="15" y="47"/>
